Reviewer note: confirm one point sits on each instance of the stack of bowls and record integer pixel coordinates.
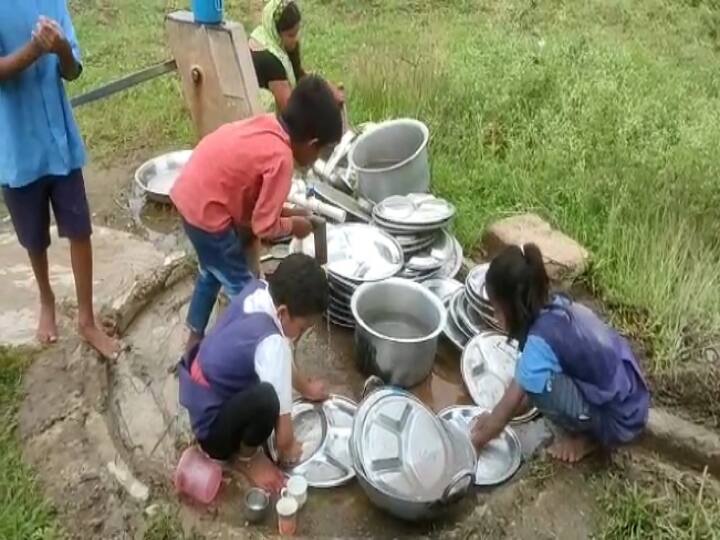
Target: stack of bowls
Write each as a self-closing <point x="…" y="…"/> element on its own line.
<point x="357" y="253"/>
<point x="419" y="223"/>
<point x="470" y="310"/>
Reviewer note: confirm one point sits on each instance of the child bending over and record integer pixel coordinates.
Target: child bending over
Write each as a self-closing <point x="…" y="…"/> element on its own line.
<point x="237" y="384"/>
<point x="577" y="371"/>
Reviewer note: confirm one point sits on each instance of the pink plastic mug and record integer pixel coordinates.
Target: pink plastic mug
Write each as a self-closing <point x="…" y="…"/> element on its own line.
<point x="198" y="476"/>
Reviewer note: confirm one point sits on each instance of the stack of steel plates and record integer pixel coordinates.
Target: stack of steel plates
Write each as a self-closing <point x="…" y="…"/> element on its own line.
<point x="418" y="222"/>
<point x="470" y="310"/>
<point x="357" y="253"/>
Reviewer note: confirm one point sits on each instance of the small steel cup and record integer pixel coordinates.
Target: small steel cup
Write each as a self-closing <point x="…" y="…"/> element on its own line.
<point x="257" y="502"/>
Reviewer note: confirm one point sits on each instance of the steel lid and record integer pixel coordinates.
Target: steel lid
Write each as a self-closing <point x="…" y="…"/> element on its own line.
<point x="357" y="252"/>
<point x="402" y="448"/>
<point x="500" y="458"/>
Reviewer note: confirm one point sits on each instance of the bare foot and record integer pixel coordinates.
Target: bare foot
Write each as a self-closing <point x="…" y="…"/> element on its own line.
<point x="572" y="449"/>
<point x="47" y="328"/>
<point x="263" y="473"/>
<point x="107" y="347"/>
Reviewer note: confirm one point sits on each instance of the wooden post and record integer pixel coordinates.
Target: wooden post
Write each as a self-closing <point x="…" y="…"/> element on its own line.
<point x="216" y="69"/>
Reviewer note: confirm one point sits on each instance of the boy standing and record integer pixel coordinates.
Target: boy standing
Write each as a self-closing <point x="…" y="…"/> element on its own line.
<point x="42" y="153"/>
<point x="231" y="192"/>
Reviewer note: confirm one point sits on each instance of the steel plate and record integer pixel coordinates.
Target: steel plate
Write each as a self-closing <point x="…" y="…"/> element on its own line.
<point x="470" y="318"/>
<point x="414" y="209"/>
<point x="357" y="252"/>
<point x="157" y="176"/>
<point x="310" y="428"/>
<point x="403" y="447"/>
<point x="443" y="288"/>
<point x="330" y="465"/>
<point x="342" y="200"/>
<point x="500" y="459"/>
<point x="454" y="315"/>
<point x="453" y="264"/>
<point x="475" y="282"/>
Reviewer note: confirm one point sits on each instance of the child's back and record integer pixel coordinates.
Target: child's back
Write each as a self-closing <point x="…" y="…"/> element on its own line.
<point x="239" y="174"/>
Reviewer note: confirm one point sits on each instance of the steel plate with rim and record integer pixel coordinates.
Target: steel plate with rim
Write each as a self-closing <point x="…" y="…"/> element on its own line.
<point x="414" y="209"/>
<point x="310" y="428"/>
<point x="500" y="459"/>
<point x="475" y="282"/>
<point x="330" y="465"/>
<point x="357" y="252"/>
<point x="488" y="367"/>
<point x="158" y="175"/>
<point x="443" y="288"/>
<point x="454" y="315"/>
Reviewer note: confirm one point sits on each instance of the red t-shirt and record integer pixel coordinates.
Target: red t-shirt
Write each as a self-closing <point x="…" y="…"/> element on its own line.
<point x="240" y="174"/>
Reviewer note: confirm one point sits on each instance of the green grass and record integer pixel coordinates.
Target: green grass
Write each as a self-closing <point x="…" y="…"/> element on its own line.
<point x="659" y="508"/>
<point x="602" y="116"/>
<point x="24" y="514"/>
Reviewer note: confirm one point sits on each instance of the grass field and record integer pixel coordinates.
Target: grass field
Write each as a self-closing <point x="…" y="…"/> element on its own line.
<point x="602" y="116"/>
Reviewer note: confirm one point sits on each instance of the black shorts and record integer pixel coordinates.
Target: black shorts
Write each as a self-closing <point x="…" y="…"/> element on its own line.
<point x="29" y="208"/>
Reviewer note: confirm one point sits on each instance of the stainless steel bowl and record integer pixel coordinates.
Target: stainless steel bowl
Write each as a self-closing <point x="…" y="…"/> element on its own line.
<point x="397" y="327"/>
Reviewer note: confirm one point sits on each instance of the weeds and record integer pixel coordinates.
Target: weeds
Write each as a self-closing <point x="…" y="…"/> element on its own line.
<point x="660" y="508"/>
<point x="24" y="514"/>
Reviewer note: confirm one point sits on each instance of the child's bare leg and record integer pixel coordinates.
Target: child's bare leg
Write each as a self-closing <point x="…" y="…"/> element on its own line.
<point x="81" y="257"/>
<point x="47" y="327"/>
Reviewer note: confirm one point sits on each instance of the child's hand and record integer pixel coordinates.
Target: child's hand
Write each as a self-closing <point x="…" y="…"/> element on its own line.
<point x="315" y="390"/>
<point x="301" y="227"/>
<point x="293" y="453"/>
<point x="48" y="35"/>
<point x="479" y="430"/>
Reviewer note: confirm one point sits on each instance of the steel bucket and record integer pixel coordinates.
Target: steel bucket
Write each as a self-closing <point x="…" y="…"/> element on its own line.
<point x="397" y="327"/>
<point x="391" y="159"/>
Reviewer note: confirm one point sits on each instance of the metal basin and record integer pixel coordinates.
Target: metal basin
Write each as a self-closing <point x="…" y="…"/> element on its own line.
<point x="392" y="159"/>
<point x="397" y="327"/>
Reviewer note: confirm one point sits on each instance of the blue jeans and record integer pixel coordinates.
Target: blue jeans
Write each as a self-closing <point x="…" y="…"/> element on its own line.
<point x="222" y="263"/>
<point x="564" y="405"/>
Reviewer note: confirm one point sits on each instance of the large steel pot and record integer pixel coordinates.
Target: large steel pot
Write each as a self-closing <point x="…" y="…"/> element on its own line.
<point x="397" y="327"/>
<point x="409" y="462"/>
<point x="392" y="159"/>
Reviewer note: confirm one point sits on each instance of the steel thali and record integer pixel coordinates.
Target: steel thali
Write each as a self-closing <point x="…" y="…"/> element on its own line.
<point x="500" y="459"/>
<point x="488" y="367"/>
<point x="324" y="430"/>
<point x="157" y="176"/>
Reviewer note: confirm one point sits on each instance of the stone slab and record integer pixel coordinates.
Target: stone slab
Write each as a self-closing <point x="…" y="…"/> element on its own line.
<point x="564" y="257"/>
<point x="118" y="258"/>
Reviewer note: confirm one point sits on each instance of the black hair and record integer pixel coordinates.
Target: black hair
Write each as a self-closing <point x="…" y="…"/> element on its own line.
<point x="518" y="282"/>
<point x="299" y="282"/>
<point x="288" y="17"/>
<point x="313" y="113"/>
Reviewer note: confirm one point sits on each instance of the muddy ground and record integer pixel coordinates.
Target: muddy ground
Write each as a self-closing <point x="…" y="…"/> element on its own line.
<point x="99" y="433"/>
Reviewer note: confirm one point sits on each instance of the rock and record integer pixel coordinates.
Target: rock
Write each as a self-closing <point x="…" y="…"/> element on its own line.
<point x="564" y="257"/>
<point x="135" y="488"/>
<point x="682" y="441"/>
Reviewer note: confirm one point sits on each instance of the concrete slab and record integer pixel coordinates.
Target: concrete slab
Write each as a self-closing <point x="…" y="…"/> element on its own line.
<point x="118" y="258"/>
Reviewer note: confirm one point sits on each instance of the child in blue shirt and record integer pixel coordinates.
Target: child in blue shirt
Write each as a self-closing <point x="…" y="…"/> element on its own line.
<point x="577" y="371"/>
<point x="42" y="153"/>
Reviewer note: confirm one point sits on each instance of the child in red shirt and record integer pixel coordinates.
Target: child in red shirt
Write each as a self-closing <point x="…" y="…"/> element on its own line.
<point x="232" y="190"/>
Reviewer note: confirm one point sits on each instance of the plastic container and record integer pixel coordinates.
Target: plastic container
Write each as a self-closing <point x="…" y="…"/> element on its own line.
<point x="208" y="11"/>
<point x="287" y="509"/>
<point x="197" y="476"/>
<point x="392" y="159"/>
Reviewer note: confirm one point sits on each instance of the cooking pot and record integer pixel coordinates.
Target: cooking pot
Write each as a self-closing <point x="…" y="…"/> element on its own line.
<point x="410" y="463"/>
<point x="397" y="327"/>
<point x="391" y="159"/>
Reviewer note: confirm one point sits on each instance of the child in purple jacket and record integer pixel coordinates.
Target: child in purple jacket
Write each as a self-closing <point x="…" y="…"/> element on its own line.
<point x="577" y="371"/>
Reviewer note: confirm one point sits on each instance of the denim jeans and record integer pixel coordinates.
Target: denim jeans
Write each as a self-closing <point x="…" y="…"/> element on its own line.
<point x="564" y="405"/>
<point x="222" y="263"/>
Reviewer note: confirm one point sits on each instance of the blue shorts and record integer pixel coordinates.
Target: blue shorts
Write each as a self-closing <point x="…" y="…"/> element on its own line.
<point x="29" y="208"/>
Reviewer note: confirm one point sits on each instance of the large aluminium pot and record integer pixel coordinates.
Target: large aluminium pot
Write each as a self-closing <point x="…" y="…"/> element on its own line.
<point x="408" y="462"/>
<point x="392" y="159"/>
<point x="397" y="324"/>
